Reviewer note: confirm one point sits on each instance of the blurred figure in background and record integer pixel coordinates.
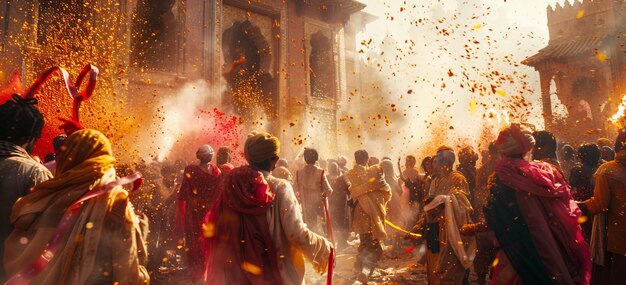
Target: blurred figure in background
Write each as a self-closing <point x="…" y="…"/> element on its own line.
<point x="282" y="170"/>
<point x="567" y="160"/>
<point x="223" y="159"/>
<point x="56" y="145"/>
<point x="396" y="213"/>
<point x="608" y="154"/>
<point x="197" y="193"/>
<point x="312" y="187"/>
<point x="582" y="179"/>
<point x="607" y="205"/>
<point x="337" y="203"/>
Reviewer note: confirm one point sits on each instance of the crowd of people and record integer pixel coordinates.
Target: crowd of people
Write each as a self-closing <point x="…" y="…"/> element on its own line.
<point x="534" y="212"/>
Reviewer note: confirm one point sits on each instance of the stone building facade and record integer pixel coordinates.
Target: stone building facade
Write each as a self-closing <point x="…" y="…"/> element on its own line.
<point x="278" y="64"/>
<point x="584" y="65"/>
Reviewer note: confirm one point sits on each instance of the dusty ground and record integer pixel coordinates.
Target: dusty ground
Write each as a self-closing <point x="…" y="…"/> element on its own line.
<point x="404" y="269"/>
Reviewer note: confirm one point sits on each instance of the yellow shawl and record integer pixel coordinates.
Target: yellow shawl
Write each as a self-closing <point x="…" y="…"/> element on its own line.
<point x="85" y="161"/>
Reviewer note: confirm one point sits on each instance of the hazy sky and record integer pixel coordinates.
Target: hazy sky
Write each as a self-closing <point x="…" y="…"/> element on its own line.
<point x="441" y="48"/>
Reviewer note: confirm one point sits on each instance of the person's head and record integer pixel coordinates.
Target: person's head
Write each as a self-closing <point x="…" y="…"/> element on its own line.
<point x="342" y="161"/>
<point x="604" y="142"/>
<point x="49" y="157"/>
<point x="373" y="161"/>
<point x="22" y="123"/>
<point x="57" y="142"/>
<point x="223" y="155"/>
<point x="568" y="153"/>
<point x="310" y="155"/>
<point x="83" y="145"/>
<point x="589" y="154"/>
<point x="515" y="141"/>
<point x="205" y="153"/>
<point x="282" y="163"/>
<point x="333" y="169"/>
<point x="545" y="145"/>
<point x="467" y="156"/>
<point x="608" y="153"/>
<point x="169" y="174"/>
<point x="427" y="164"/>
<point x="261" y="150"/>
<point x="620" y="141"/>
<point x="387" y="166"/>
<point x="361" y="157"/>
<point x="444" y="160"/>
<point x="410" y="161"/>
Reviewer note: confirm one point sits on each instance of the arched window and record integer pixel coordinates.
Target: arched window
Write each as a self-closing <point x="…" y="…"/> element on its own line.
<point x="321" y="67"/>
<point x="248" y="57"/>
<point x="155" y="35"/>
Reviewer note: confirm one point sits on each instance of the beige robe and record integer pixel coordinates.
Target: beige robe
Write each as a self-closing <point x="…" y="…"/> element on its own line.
<point x="310" y="183"/>
<point x="451" y="209"/>
<point x="369" y="189"/>
<point x="105" y="245"/>
<point x="294" y="241"/>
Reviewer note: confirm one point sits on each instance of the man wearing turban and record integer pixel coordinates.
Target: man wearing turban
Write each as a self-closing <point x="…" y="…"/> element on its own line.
<point x="255" y="232"/>
<point x="532" y="215"/>
<point x="448" y="253"/>
<point x="195" y="197"/>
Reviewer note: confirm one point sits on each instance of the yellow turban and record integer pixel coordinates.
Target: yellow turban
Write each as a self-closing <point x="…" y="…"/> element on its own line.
<point x="260" y="147"/>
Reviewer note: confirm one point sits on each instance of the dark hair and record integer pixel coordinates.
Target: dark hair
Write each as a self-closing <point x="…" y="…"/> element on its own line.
<point x="58" y="141"/>
<point x="427" y="162"/>
<point x="310" y="155"/>
<point x="22" y="122"/>
<point x="410" y="160"/>
<point x="589" y="154"/>
<point x="263" y="165"/>
<point x="49" y="157"/>
<point x="223" y="155"/>
<point x="545" y="145"/>
<point x="607" y="153"/>
<point x="569" y="152"/>
<point x="361" y="156"/>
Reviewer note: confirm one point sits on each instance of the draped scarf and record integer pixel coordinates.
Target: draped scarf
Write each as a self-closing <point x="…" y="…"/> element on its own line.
<point x="545" y="202"/>
<point x="84" y="162"/>
<point x="239" y="248"/>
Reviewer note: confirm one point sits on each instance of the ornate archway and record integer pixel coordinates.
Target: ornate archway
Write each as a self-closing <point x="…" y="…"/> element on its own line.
<point x="248" y="59"/>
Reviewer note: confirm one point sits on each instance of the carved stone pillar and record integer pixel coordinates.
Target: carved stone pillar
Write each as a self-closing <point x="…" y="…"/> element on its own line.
<point x="545" y="76"/>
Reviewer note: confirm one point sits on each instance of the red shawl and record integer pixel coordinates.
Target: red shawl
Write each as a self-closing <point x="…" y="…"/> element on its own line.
<point x="196" y="196"/>
<point x="551" y="215"/>
<point x="226" y="167"/>
<point x="240" y="248"/>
